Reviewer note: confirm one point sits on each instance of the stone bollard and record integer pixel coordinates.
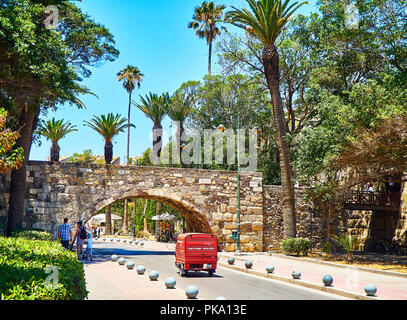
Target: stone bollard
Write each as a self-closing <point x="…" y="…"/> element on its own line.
<point x="269" y="269"/>
<point x="370" y="289"/>
<point x="191" y="292"/>
<point x="296" y="275"/>
<point x="153" y="275"/>
<point x="122" y="261"/>
<point x="130" y="265"/>
<point x="248" y="264"/>
<point x="327" y="280"/>
<point x="231" y="260"/>
<point x="170" y="283"/>
<point x="141" y="269"/>
<point x="114" y="257"/>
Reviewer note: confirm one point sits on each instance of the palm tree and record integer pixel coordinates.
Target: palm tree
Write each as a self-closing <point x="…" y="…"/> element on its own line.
<point x="206" y="18"/>
<point x="108" y="127"/>
<point x="178" y="108"/>
<point x="154" y="106"/>
<point x="130" y="76"/>
<point x="55" y="130"/>
<point x="264" y="21"/>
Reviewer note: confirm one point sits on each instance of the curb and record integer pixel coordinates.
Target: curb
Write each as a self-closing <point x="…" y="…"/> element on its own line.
<point x="332" y="264"/>
<point x="302" y="283"/>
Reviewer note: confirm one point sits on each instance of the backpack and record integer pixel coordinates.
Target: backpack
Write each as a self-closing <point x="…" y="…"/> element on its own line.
<point x="82" y="234"/>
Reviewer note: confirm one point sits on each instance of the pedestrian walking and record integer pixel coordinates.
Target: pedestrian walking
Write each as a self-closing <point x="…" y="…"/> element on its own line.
<point x="80" y="237"/>
<point x="65" y="234"/>
<point x="89" y="246"/>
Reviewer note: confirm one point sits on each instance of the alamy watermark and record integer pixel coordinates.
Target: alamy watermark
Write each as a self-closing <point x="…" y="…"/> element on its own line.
<point x="52" y="20"/>
<point x="352" y="17"/>
<point x="211" y="146"/>
<point x="52" y="280"/>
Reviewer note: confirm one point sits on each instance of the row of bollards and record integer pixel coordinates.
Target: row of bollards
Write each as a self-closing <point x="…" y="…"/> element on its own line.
<point x="327" y="280"/>
<point x="191" y="291"/>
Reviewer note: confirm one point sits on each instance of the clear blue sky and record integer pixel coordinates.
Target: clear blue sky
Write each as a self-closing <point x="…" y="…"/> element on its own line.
<point x="152" y="35"/>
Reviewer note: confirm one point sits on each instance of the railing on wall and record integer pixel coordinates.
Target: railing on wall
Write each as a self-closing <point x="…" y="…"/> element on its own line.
<point x="368" y="200"/>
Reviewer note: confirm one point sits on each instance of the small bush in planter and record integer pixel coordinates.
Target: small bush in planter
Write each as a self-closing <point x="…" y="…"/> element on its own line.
<point x="296" y="246"/>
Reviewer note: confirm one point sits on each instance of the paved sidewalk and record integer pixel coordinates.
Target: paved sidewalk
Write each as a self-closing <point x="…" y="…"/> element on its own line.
<point x="346" y="278"/>
<point x="107" y="280"/>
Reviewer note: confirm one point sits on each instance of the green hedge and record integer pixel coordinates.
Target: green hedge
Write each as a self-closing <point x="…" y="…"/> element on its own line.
<point x="32" y="234"/>
<point x="296" y="246"/>
<point x="22" y="271"/>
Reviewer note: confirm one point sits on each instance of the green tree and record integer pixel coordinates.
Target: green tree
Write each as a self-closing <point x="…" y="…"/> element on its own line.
<point x="10" y="158"/>
<point x="206" y="19"/>
<point x="41" y="69"/>
<point x="265" y="21"/>
<point x="108" y="126"/>
<point x="55" y="130"/>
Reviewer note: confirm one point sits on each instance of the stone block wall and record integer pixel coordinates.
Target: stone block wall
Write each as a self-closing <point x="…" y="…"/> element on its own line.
<point x="4" y="197"/>
<point x="309" y="225"/>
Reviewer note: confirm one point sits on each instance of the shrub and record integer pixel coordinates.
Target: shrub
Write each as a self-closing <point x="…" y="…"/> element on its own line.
<point x="22" y="271"/>
<point x="32" y="234"/>
<point x="347" y="243"/>
<point x="296" y="246"/>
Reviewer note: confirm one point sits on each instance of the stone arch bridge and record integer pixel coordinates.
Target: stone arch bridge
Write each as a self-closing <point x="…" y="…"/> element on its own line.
<point x="206" y="198"/>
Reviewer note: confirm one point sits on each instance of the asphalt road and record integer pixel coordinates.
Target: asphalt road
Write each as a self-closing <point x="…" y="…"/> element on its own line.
<point x="231" y="284"/>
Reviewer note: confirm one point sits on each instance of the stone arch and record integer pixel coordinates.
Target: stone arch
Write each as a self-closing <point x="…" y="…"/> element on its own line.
<point x="198" y="220"/>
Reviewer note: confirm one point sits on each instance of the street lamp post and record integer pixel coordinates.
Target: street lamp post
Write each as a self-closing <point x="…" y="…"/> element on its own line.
<point x="238" y="249"/>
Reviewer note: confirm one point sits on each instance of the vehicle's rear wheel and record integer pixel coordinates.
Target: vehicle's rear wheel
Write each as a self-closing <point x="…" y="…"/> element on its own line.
<point x="211" y="272"/>
<point x="183" y="272"/>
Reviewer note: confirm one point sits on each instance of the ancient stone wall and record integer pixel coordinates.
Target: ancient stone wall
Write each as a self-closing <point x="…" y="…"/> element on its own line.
<point x="206" y="198"/>
<point x="401" y="229"/>
<point x="310" y="224"/>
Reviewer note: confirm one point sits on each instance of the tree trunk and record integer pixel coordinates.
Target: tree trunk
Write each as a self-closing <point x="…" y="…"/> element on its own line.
<point x="108" y="152"/>
<point x="144" y="216"/>
<point x="272" y="70"/>
<point x="210" y="59"/>
<point x="108" y="229"/>
<point x="126" y="217"/>
<point x="55" y="152"/>
<point x="18" y="177"/>
<point x="128" y="131"/>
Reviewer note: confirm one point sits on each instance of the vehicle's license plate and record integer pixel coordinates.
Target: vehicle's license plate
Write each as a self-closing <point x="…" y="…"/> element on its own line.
<point x="207" y="266"/>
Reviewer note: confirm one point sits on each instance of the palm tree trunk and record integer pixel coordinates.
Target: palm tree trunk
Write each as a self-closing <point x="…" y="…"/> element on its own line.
<point x="108" y="152"/>
<point x="18" y="177"/>
<point x="126" y="202"/>
<point x="144" y="216"/>
<point x="126" y="217"/>
<point x="54" y="156"/>
<point x="108" y="229"/>
<point x="210" y="59"/>
<point x="272" y="71"/>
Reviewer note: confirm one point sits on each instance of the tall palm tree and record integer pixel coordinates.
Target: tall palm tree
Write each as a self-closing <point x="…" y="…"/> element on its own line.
<point x="206" y="19"/>
<point x="265" y="21"/>
<point x="130" y="76"/>
<point x="55" y="130"/>
<point x="178" y="109"/>
<point x="154" y="106"/>
<point x="108" y="127"/>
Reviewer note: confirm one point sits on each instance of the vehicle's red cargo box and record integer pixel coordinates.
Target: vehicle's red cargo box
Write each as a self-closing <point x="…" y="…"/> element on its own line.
<point x="196" y="252"/>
